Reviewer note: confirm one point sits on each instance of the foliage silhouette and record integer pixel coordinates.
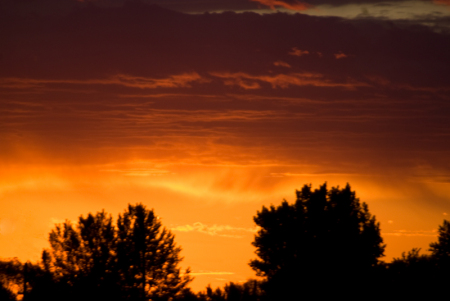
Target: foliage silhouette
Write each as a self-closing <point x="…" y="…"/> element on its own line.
<point x="326" y="244"/>
<point x="82" y="257"/>
<point x="25" y="279"/>
<point x="411" y="275"/>
<point x="147" y="257"/>
<point x="440" y="256"/>
<point x="325" y="232"/>
<point x="250" y="290"/>
<point x="6" y="294"/>
<point x="10" y="276"/>
<point x="136" y="259"/>
<point x="440" y="250"/>
<point x="425" y="276"/>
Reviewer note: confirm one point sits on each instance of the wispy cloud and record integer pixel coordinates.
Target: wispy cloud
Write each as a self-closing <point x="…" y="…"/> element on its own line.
<point x="250" y="82"/>
<point x="340" y="55"/>
<point x="201" y="273"/>
<point x="411" y="233"/>
<point x="216" y="230"/>
<point x="183" y="80"/>
<point x="318" y="174"/>
<point x="139" y="172"/>
<point x="281" y="64"/>
<point x="289" y="4"/>
<point x="297" y="52"/>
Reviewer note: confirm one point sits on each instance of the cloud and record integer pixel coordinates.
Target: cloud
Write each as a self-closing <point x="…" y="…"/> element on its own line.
<point x="215" y="230"/>
<point x="201" y="273"/>
<point x="63" y="7"/>
<point x="140" y="172"/>
<point x="241" y="79"/>
<point x="317" y="174"/>
<point x="252" y="82"/>
<point x="289" y="4"/>
<point x="411" y="233"/>
<point x="340" y="55"/>
<point x="297" y="52"/>
<point x="183" y="80"/>
<point x="281" y="64"/>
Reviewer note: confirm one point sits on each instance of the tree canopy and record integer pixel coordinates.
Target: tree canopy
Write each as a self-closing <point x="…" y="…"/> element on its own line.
<point x="325" y="232"/>
<point x="134" y="259"/>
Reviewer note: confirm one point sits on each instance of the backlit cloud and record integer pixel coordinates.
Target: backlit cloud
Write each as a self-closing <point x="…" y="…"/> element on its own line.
<point x="340" y="55"/>
<point x="290" y="4"/>
<point x="175" y="81"/>
<point x="250" y="82"/>
<point x="432" y="233"/>
<point x="219" y="230"/>
<point x="281" y="64"/>
<point x="203" y="273"/>
<point x="140" y="172"/>
<point x="297" y="52"/>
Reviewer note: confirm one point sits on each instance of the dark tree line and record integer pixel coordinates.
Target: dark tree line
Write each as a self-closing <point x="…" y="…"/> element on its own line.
<point x="324" y="245"/>
<point x="134" y="258"/>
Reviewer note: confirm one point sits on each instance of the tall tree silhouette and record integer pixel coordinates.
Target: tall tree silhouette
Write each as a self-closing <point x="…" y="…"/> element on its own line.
<point x="320" y="244"/>
<point x="147" y="257"/>
<point x="134" y="259"/>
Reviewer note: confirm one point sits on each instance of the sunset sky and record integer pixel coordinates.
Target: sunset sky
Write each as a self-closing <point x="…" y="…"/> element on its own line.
<point x="206" y="110"/>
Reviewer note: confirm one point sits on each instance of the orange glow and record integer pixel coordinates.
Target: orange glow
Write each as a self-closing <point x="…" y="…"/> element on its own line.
<point x="208" y="117"/>
<point x="206" y="206"/>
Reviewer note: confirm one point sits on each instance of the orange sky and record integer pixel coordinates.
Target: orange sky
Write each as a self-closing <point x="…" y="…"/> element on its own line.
<point x="208" y="117"/>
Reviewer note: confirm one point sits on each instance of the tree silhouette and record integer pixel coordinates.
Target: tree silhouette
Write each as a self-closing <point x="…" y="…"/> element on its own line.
<point x="82" y="257"/>
<point x="11" y="275"/>
<point x="147" y="257"/>
<point x="415" y="276"/>
<point x="440" y="256"/>
<point x="6" y="294"/>
<point x="440" y="250"/>
<point x="411" y="276"/>
<point x="247" y="291"/>
<point x="324" y="233"/>
<point x="136" y="259"/>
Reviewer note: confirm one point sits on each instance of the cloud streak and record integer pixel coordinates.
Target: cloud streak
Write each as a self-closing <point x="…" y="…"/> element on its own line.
<point x="204" y="273"/>
<point x="411" y="233"/>
<point x="289" y="4"/>
<point x="216" y="230"/>
<point x="175" y="81"/>
<point x="283" y="81"/>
